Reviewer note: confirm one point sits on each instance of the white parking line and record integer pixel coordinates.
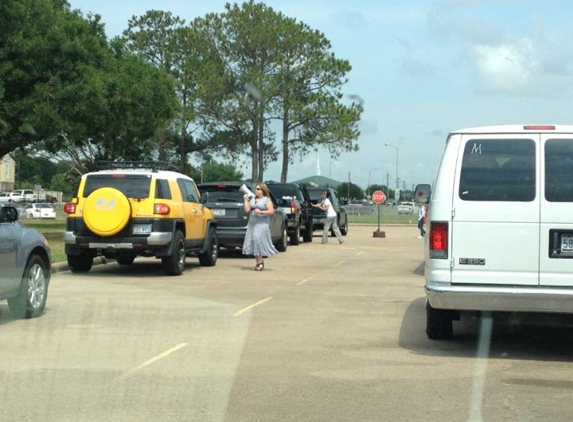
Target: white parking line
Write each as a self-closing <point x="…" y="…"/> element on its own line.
<point x="129" y="373"/>
<point x="260" y="302"/>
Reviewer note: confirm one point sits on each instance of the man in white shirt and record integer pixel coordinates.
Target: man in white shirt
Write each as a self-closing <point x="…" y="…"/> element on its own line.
<point x="330" y="221"/>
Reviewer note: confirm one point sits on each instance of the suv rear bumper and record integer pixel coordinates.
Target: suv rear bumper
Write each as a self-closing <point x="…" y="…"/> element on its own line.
<point x="500" y="298"/>
<point x="133" y="242"/>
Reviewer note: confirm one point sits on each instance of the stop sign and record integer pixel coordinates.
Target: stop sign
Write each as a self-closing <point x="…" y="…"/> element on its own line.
<point x="378" y="197"/>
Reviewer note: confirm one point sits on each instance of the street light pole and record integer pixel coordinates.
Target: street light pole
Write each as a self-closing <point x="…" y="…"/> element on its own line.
<point x="368" y="187"/>
<point x="397" y="153"/>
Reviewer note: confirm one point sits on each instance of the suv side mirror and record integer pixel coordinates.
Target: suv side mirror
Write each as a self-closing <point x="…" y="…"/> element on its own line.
<point x="423" y="193"/>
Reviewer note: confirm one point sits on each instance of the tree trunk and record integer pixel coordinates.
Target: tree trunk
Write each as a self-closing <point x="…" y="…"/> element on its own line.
<point x="284" y="170"/>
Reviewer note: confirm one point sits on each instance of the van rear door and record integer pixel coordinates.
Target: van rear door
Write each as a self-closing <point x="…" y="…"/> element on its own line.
<point x="556" y="258"/>
<point x="496" y="211"/>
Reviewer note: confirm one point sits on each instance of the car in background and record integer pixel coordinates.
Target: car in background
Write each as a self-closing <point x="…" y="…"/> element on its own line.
<point x="407" y="207"/>
<point x="25" y="264"/>
<point x="295" y="202"/>
<point x="23" y="195"/>
<point x="39" y="211"/>
<point x="225" y="200"/>
<point x="319" y="215"/>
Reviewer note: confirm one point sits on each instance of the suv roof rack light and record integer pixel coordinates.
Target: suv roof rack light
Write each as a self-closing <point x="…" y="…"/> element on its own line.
<point x="151" y="165"/>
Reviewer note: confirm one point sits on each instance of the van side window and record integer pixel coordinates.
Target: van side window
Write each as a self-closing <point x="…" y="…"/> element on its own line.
<point x="559" y="170"/>
<point x="498" y="170"/>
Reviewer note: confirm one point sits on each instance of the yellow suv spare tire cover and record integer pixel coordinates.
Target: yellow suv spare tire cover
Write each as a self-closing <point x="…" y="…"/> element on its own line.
<point x="106" y="211"/>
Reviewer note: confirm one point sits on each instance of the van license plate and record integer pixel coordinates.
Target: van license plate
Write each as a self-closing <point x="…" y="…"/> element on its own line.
<point x="218" y="211"/>
<point x="567" y="243"/>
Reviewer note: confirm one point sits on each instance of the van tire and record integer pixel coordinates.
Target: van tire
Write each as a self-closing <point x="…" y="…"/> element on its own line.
<point x="438" y="323"/>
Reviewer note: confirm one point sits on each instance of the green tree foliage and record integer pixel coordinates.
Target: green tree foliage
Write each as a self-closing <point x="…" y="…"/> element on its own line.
<point x="273" y="68"/>
<point x="69" y="92"/>
<point x="350" y="191"/>
<point x="212" y="171"/>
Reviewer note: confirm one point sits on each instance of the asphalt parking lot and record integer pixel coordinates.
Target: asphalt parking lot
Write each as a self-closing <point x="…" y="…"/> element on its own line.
<point x="325" y="333"/>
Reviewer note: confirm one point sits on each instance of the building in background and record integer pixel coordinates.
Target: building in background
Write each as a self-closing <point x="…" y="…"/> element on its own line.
<point x="7" y="173"/>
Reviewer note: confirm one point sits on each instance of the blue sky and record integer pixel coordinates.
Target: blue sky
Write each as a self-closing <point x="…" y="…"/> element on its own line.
<point x="422" y="68"/>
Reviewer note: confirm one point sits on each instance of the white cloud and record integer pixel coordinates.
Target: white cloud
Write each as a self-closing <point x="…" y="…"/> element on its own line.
<point x="505" y="68"/>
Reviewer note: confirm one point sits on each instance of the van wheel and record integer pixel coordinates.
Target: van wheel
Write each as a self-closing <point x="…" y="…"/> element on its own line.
<point x="295" y="236"/>
<point x="438" y="323"/>
<point x="175" y="263"/>
<point x="80" y="263"/>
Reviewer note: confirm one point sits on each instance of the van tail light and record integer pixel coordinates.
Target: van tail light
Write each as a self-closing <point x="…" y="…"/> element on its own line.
<point x="539" y="127"/>
<point x="293" y="207"/>
<point x="70" y="208"/>
<point x="438" y="240"/>
<point x="162" y="209"/>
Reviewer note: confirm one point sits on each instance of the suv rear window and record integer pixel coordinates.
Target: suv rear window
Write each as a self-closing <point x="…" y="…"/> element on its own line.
<point x="281" y="191"/>
<point x="131" y="185"/>
<point x="315" y="194"/>
<point x="498" y="170"/>
<point x="220" y="193"/>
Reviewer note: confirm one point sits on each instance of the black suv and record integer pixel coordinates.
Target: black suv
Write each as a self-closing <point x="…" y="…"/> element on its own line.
<point x="295" y="202"/>
<point x="320" y="215"/>
<point x="225" y="200"/>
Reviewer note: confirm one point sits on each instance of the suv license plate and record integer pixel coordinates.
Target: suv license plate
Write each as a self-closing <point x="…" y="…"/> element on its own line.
<point x="567" y="243"/>
<point x="141" y="228"/>
<point x="218" y="211"/>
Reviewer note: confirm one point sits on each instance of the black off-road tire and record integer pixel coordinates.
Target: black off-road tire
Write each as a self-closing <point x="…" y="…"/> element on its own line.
<point x="175" y="263"/>
<point x="209" y="257"/>
<point x="80" y="263"/>
<point x="307" y="233"/>
<point x="295" y="235"/>
<point x="344" y="229"/>
<point x="125" y="259"/>
<point x="33" y="293"/>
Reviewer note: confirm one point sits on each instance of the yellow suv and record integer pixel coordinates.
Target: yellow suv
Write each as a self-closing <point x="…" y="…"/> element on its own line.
<point x="132" y="208"/>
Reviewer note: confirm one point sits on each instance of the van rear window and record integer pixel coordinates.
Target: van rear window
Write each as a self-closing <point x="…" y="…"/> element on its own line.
<point x="498" y="170"/>
<point x="559" y="170"/>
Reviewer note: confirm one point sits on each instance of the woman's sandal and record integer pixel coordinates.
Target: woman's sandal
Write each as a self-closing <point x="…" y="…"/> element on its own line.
<point x="259" y="266"/>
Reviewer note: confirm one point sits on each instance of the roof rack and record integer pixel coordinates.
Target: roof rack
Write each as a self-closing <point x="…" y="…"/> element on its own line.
<point x="151" y="165"/>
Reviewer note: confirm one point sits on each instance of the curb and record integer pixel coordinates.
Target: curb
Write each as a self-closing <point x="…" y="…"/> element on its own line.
<point x="58" y="267"/>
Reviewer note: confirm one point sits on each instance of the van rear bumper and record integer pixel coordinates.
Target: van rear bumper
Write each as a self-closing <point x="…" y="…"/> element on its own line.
<point x="501" y="298"/>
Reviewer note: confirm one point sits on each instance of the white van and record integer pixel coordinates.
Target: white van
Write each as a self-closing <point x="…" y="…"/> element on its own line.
<point x="500" y="220"/>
